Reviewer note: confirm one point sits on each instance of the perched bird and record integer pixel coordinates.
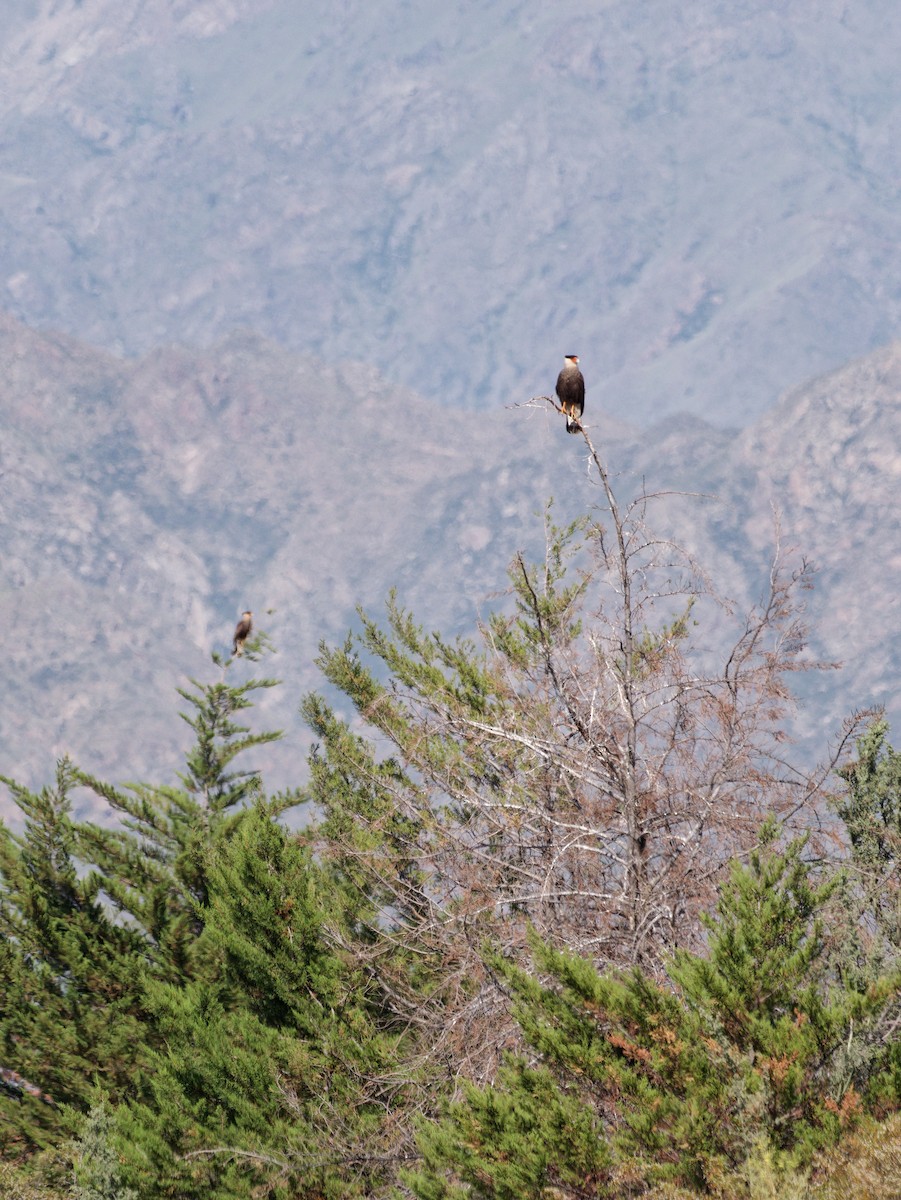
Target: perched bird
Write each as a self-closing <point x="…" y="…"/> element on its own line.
<point x="242" y="633"/>
<point x="571" y="392"/>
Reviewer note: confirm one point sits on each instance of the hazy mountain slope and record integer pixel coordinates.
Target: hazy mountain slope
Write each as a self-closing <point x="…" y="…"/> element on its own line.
<point x="830" y="456"/>
<point x="701" y="200"/>
<point x="145" y="504"/>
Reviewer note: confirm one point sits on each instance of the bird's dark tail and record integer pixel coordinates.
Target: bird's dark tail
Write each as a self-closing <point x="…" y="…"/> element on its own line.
<point x="573" y="426"/>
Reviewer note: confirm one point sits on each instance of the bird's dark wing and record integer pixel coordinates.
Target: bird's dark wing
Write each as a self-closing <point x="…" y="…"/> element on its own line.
<point x="242" y="632"/>
<point x="571" y="392"/>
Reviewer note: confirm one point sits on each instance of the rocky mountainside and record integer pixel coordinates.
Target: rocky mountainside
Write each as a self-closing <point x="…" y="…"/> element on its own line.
<point x="146" y="503"/>
<point x="701" y="200"/>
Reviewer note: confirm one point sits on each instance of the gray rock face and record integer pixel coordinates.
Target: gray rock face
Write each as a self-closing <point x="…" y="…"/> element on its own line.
<point x="700" y="200"/>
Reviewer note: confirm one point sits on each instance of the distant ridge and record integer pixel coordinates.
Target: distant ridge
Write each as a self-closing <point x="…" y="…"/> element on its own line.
<point x="701" y="199"/>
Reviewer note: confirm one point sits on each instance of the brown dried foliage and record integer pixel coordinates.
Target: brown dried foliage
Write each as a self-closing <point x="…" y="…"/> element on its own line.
<point x="590" y="771"/>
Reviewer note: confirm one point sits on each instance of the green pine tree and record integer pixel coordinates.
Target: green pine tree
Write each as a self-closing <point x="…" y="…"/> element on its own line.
<point x="768" y="986"/>
<point x="70" y="1009"/>
<point x="523" y="1137"/>
<point x="274" y="1078"/>
<point x="871" y="811"/>
<point x="687" y="1082"/>
<point x="153" y="864"/>
<point x="92" y="917"/>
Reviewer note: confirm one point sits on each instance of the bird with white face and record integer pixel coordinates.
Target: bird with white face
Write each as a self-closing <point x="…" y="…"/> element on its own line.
<point x="571" y="393"/>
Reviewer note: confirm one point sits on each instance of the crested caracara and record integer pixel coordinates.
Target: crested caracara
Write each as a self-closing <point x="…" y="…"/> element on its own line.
<point x="571" y="392"/>
<point x="242" y="632"/>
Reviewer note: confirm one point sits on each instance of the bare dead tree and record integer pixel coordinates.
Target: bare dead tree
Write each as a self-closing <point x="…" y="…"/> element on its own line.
<point x="590" y="768"/>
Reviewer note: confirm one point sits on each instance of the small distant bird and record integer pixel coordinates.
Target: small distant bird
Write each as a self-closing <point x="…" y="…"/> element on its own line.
<point x="242" y="633"/>
<point x="571" y="392"/>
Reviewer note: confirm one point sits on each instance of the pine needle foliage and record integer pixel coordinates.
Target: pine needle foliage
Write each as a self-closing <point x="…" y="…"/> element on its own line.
<point x="96" y="1166"/>
<point x="272" y="1072"/>
<point x="92" y="917"/>
<point x="154" y="862"/>
<point x="522" y="1137"/>
<point x="871" y="812"/>
<point x="684" y="1083"/>
<point x="70" y="1010"/>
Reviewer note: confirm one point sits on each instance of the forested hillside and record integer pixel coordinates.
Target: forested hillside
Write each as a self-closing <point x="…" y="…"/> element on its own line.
<point x="565" y="918"/>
